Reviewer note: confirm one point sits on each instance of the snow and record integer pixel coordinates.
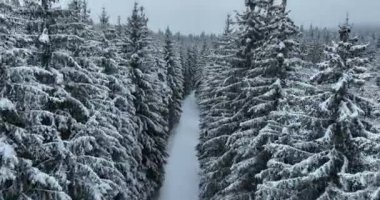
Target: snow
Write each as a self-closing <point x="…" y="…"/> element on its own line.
<point x="6" y="104"/>
<point x="7" y="153"/>
<point x="359" y="47"/>
<point x="58" y="75"/>
<point x="44" y="37"/>
<point x="39" y="177"/>
<point x="182" y="179"/>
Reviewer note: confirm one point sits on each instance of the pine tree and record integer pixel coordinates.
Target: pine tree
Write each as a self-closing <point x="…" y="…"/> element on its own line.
<point x="16" y="169"/>
<point x="183" y="57"/>
<point x="113" y="120"/>
<point x="328" y="157"/>
<point x="350" y="135"/>
<point x="311" y="32"/>
<point x="190" y="69"/>
<point x="266" y="83"/>
<point x="119" y="26"/>
<point x="79" y="111"/>
<point x="174" y="80"/>
<point x="104" y="19"/>
<point x="326" y="36"/>
<point x="202" y="59"/>
<point x="41" y="152"/>
<point x="216" y="71"/>
<point x="86" y="13"/>
<point x="71" y="120"/>
<point x="94" y="142"/>
<point x="263" y="82"/>
<point x="186" y="72"/>
<point x="153" y="131"/>
<point x="249" y="36"/>
<point x="216" y="95"/>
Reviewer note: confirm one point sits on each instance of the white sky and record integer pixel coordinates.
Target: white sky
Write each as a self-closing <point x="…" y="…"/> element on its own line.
<point x="195" y="16"/>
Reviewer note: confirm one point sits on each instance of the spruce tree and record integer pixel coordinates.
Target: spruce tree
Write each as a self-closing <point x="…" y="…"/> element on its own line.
<point x="119" y="26"/>
<point x="216" y="95"/>
<point x="192" y="59"/>
<point x="202" y="59"/>
<point x="186" y="72"/>
<point x="327" y="156"/>
<point x="350" y="134"/>
<point x="267" y="79"/>
<point x="152" y="127"/>
<point x="113" y="117"/>
<point x="27" y="122"/>
<point x="86" y="13"/>
<point x="104" y="19"/>
<point x="249" y="36"/>
<point x="174" y="80"/>
<point x="71" y="120"/>
<point x="71" y="109"/>
<point x="261" y="84"/>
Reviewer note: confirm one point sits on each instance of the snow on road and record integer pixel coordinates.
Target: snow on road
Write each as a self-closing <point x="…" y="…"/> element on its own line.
<point x="182" y="179"/>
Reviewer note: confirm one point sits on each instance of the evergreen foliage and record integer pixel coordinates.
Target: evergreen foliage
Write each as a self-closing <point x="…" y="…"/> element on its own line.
<point x="268" y="132"/>
<point x="84" y="112"/>
<point x="86" y="109"/>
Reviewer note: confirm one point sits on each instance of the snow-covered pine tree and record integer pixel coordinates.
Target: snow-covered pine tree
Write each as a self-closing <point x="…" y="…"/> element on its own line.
<point x="9" y="160"/>
<point x="65" y="123"/>
<point x="216" y="94"/>
<point x="86" y="13"/>
<point x="266" y="78"/>
<point x="174" y="80"/>
<point x="119" y="39"/>
<point x="333" y="156"/>
<point x="351" y="135"/>
<point x="159" y="78"/>
<point x="152" y="126"/>
<point x="215" y="72"/>
<point x="21" y="150"/>
<point x="122" y="113"/>
<point x="192" y="59"/>
<point x="35" y="135"/>
<point x="119" y="26"/>
<point x="313" y="41"/>
<point x="110" y="103"/>
<point x="186" y="72"/>
<point x="5" y="36"/>
<point x="183" y="63"/>
<point x="199" y="69"/>
<point x="92" y="139"/>
<point x="251" y="35"/>
<point x="159" y="72"/>
<point x="326" y="36"/>
<point x="104" y="19"/>
<point x="69" y="81"/>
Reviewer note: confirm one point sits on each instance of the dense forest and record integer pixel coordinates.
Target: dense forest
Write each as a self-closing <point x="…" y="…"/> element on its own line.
<point x="87" y="106"/>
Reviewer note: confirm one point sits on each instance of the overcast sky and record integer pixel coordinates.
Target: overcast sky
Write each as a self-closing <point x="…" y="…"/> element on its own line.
<point x="195" y="16"/>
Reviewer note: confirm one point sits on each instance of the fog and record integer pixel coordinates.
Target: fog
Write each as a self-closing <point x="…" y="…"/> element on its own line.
<point x="195" y="16"/>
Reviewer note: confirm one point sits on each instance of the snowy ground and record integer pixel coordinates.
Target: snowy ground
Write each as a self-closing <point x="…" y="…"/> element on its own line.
<point x="181" y="179"/>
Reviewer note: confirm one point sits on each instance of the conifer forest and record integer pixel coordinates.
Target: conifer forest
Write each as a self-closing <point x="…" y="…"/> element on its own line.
<point x="268" y="109"/>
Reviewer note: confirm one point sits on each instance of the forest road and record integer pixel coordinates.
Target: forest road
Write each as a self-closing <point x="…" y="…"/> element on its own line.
<point x="182" y="170"/>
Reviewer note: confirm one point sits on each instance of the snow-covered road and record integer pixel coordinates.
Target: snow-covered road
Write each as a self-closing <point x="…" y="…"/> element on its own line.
<point x="181" y="179"/>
